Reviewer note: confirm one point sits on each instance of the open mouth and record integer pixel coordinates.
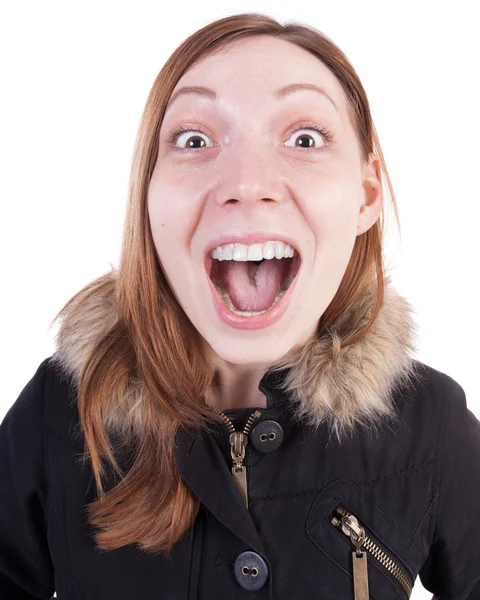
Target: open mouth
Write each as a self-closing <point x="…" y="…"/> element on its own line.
<point x="251" y="288"/>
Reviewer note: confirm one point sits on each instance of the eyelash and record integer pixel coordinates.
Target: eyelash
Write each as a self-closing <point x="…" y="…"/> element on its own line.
<point x="327" y="134"/>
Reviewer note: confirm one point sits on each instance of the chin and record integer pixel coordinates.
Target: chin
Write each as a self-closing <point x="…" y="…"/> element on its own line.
<point x="248" y="351"/>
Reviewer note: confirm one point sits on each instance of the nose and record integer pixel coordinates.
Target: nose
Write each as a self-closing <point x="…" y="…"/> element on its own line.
<point x="250" y="172"/>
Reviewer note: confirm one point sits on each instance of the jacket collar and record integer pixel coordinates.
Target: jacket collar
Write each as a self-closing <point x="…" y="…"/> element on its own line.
<point x="329" y="383"/>
<point x="356" y="385"/>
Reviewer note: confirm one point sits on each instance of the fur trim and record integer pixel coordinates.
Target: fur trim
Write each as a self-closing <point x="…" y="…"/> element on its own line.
<point x="87" y="319"/>
<point x="342" y="386"/>
<point x="356" y="384"/>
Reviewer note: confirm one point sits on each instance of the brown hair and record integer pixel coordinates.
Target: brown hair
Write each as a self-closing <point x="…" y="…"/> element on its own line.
<point x="152" y="339"/>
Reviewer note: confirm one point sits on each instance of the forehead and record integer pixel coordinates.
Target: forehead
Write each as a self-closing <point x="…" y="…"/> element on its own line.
<point x="260" y="65"/>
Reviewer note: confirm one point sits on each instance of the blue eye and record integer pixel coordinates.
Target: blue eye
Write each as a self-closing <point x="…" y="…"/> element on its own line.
<point x="195" y="138"/>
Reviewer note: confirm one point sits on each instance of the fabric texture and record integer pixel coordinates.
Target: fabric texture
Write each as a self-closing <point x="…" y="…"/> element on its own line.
<point x="412" y="480"/>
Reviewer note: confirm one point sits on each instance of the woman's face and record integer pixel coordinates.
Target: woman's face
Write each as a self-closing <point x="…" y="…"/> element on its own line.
<point x="242" y="174"/>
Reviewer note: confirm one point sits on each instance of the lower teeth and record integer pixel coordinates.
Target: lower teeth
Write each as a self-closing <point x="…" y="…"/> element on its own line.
<point x="226" y="298"/>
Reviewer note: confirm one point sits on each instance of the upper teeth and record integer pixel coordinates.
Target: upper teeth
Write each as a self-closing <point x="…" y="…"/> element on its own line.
<point x="242" y="252"/>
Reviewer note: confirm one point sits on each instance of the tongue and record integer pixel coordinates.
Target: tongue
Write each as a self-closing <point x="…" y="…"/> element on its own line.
<point x="252" y="287"/>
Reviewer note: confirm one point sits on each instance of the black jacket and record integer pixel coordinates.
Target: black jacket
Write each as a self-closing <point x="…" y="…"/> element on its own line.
<point x="409" y="488"/>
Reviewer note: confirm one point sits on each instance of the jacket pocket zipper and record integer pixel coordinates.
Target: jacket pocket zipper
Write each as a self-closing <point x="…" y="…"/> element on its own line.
<point x="349" y="525"/>
<point x="238" y="441"/>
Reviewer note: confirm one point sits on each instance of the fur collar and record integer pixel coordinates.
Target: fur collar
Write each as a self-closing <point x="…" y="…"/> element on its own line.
<point x="342" y="386"/>
<point x="355" y="385"/>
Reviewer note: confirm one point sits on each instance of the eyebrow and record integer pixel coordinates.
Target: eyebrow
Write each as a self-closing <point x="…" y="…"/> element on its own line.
<point x="280" y="93"/>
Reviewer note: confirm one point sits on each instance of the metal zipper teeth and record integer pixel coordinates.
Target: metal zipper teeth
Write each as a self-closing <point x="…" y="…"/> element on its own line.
<point x="382" y="557"/>
<point x="256" y="413"/>
<point x="238" y="443"/>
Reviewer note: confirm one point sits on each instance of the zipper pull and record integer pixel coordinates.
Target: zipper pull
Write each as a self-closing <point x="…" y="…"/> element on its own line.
<point x="350" y="526"/>
<point x="238" y="441"/>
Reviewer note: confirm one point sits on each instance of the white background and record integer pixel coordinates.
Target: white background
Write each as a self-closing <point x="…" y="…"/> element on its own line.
<point x="75" y="78"/>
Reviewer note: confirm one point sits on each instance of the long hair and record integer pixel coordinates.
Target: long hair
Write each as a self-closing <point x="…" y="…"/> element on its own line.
<point x="149" y="337"/>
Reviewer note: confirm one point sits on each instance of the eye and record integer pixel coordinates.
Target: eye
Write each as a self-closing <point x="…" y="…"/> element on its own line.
<point x="178" y="138"/>
<point x="183" y="139"/>
<point x="314" y="143"/>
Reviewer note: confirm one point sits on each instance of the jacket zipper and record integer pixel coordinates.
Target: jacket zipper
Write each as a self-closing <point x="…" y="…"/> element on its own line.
<point x="348" y="524"/>
<point x="238" y="441"/>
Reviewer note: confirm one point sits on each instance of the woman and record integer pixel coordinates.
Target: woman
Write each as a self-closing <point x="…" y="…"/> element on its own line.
<point x="235" y="412"/>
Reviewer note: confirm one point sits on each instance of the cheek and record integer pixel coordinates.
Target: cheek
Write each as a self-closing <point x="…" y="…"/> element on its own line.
<point x="171" y="222"/>
<point x="173" y="198"/>
<point x="164" y="227"/>
<point x="161" y="224"/>
<point x="160" y="204"/>
<point x="332" y="209"/>
<point x="166" y="211"/>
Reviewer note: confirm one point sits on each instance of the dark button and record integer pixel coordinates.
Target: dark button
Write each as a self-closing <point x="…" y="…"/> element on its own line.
<point x="251" y="570"/>
<point x="267" y="436"/>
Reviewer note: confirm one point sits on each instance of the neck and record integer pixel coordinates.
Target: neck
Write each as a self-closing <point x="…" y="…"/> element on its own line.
<point x="236" y="387"/>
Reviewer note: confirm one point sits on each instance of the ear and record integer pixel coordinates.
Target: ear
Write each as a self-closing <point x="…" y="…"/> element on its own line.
<point x="372" y="194"/>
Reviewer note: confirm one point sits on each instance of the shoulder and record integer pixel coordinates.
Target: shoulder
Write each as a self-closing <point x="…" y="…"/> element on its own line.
<point x="436" y="401"/>
<point x="48" y="403"/>
<point x="426" y="403"/>
<point x="27" y="411"/>
<point x="432" y="388"/>
<point x="61" y="407"/>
